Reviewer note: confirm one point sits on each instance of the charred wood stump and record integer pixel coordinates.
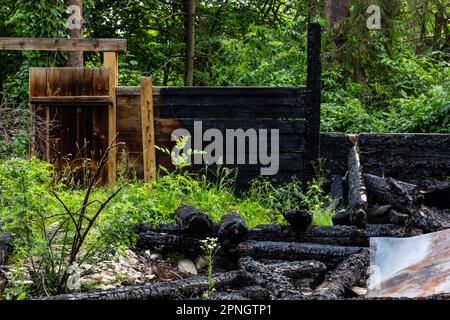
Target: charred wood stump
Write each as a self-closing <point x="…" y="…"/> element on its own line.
<point x="193" y="222"/>
<point x="279" y="285"/>
<point x="357" y="194"/>
<point x="344" y="277"/>
<point x="328" y="254"/>
<point x="299" y="219"/>
<point x="186" y="288"/>
<point x="403" y="197"/>
<point x="232" y="231"/>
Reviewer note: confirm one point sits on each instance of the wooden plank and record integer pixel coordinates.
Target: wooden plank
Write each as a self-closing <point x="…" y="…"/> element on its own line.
<point x="219" y="110"/>
<point x="148" y="130"/>
<point x="284" y="126"/>
<point x="38" y="82"/>
<point x="111" y="62"/>
<point x="67" y="100"/>
<point x="222" y="111"/>
<point x="213" y="100"/>
<point x="406" y="156"/>
<point x="195" y="91"/>
<point x="230" y="91"/>
<point x="55" y="44"/>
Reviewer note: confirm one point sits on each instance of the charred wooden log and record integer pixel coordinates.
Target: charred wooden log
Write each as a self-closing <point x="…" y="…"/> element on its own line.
<point x="151" y="240"/>
<point x="300" y="219"/>
<point x="437" y="196"/>
<point x="5" y="247"/>
<point x="341" y="218"/>
<point x="168" y="228"/>
<point x="232" y="231"/>
<point x="345" y="276"/>
<point x="193" y="222"/>
<point x="299" y="269"/>
<point x="378" y="214"/>
<point x="255" y="293"/>
<point x="357" y="195"/>
<point x="403" y="197"/>
<point x="276" y="283"/>
<point x="424" y="220"/>
<point x="328" y="254"/>
<point x="161" y="290"/>
<point x="228" y="296"/>
<point x="399" y="219"/>
<point x="337" y="191"/>
<point x="336" y="235"/>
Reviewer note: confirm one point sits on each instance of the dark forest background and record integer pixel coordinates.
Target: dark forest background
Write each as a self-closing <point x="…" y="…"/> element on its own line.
<point x="395" y="79"/>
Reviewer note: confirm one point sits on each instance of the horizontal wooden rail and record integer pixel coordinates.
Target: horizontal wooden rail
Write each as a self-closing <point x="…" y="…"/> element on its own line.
<point x="55" y="44"/>
<point x="71" y="100"/>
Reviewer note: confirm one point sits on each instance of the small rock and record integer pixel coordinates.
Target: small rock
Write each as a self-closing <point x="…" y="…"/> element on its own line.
<point x="155" y="257"/>
<point x="97" y="277"/>
<point x="186" y="265"/>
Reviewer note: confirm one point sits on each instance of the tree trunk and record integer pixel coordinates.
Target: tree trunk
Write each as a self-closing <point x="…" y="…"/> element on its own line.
<point x="336" y="11"/>
<point x="75" y="59"/>
<point x="190" y="42"/>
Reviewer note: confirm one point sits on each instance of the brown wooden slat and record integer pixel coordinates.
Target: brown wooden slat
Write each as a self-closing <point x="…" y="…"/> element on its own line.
<point x="38" y="82"/>
<point x="71" y="100"/>
<point x="55" y="44"/>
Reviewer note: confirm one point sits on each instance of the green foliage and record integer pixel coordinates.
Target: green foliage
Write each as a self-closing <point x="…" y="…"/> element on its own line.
<point x="265" y="56"/>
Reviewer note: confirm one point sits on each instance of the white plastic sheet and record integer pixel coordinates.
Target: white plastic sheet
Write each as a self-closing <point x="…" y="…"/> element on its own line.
<point x="410" y="267"/>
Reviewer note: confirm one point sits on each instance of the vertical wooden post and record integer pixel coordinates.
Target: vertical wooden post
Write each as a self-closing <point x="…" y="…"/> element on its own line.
<point x="111" y="62"/>
<point x="312" y="145"/>
<point x="47" y="133"/>
<point x="32" y="131"/>
<point x="148" y="130"/>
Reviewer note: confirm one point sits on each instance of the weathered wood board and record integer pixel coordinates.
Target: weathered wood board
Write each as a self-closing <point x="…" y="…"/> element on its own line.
<point x="70" y="114"/>
<point x="402" y="156"/>
<point x="243" y="108"/>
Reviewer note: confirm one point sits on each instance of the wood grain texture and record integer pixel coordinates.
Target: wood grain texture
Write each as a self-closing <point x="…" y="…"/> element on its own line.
<point x="111" y="62"/>
<point x="55" y="44"/>
<point x="148" y="130"/>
